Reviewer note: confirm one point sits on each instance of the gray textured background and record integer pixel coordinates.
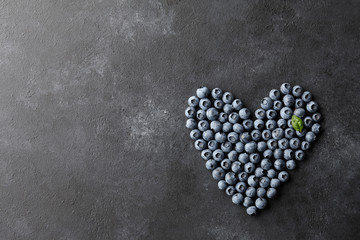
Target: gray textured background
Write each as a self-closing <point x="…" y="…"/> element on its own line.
<point x="92" y="99"/>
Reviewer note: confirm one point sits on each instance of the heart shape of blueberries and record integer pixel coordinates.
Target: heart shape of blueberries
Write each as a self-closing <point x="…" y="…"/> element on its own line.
<point x="250" y="158"/>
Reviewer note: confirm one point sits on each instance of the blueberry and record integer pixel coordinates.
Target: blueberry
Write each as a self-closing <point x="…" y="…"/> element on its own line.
<point x="260" y="113"/>
<point x="227" y="97"/>
<point x="289" y="133"/>
<point x="261" y="203"/>
<point x="237" y="198"/>
<point x="193" y="101"/>
<point x="212" y="114"/>
<point x="220" y="137"/>
<point x="216" y="126"/>
<point x="271" y="114"/>
<point x="234" y="117"/>
<point x="237" y="104"/>
<point x="305" y="145"/>
<point x="278" y="133"/>
<point x="266" y="103"/>
<point x="283" y="176"/>
<point x="252" y="210"/>
<point x="253" y="181"/>
<point x="250" y="192"/>
<point x="259" y="124"/>
<point x="210" y="164"/>
<point x="201" y="114"/>
<point x="228" y="108"/>
<point x="286" y="113"/>
<point x="279" y="164"/>
<point x="226" y="147"/>
<point x="316" y="128"/>
<point x="243" y="158"/>
<point x="227" y="127"/>
<point x="237" y="167"/>
<point x="202" y="92"/>
<point x="255" y="135"/>
<point x="195" y="134"/>
<point x="248" y="124"/>
<point x="216" y="93"/>
<point x="206" y="154"/>
<point x="203" y="125"/>
<point x="219" y="104"/>
<point x="218" y="155"/>
<point x="225" y="164"/>
<point x="299" y="103"/>
<point x="250" y="147"/>
<point x="243" y="177"/>
<point x="261" y="192"/>
<point x="274" y="94"/>
<point x="244" y="113"/>
<point x="264" y="182"/>
<point x="268" y="153"/>
<point x="288" y="100"/>
<point x="261" y="146"/>
<point x="208" y="135"/>
<point x="245" y="137"/>
<point x="233" y="137"/>
<point x="239" y="147"/>
<point x="271" y="193"/>
<point x="312" y="107"/>
<point x="200" y="144"/>
<point x="191" y="123"/>
<point x="289" y="123"/>
<point x="310" y="136"/>
<point x="212" y="145"/>
<point x="249" y="167"/>
<point x="270" y="124"/>
<point x="241" y="187"/>
<point x="278" y="105"/>
<point x="278" y="153"/>
<point x="266" y="135"/>
<point x="306" y="96"/>
<point x="316" y="117"/>
<point x="222" y="185"/>
<point x="233" y="155"/>
<point x="274" y="183"/>
<point x="248" y="202"/>
<point x="259" y="172"/>
<point x="265" y="164"/>
<point x="254" y="158"/>
<point x="237" y="127"/>
<point x="230" y="190"/>
<point x="204" y="103"/>
<point x="223" y="117"/>
<point x="285" y="88"/>
<point x="299" y="155"/>
<point x="230" y="178"/>
<point x="295" y="143"/>
<point x="283" y="143"/>
<point x="300" y="112"/>
<point x="218" y="173"/>
<point x="302" y="133"/>
<point x="272" y="144"/>
<point x="291" y="165"/>
<point x="308" y="122"/>
<point x="190" y="112"/>
<point x="288" y="154"/>
<point x="297" y="91"/>
<point x="271" y="173"/>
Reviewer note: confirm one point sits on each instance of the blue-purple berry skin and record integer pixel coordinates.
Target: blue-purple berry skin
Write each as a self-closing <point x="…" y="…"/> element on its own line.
<point x="243" y="176"/>
<point x="289" y="123"/>
<point x="264" y="182"/>
<point x="241" y="187"/>
<point x="279" y="164"/>
<point x="253" y="181"/>
<point x="261" y="203"/>
<point x="243" y="158"/>
<point x="223" y="117"/>
<point x="220" y="137"/>
<point x="237" y="167"/>
<point x="310" y="137"/>
<point x="203" y="125"/>
<point x="267" y="103"/>
<point x="248" y="202"/>
<point x="266" y="135"/>
<point x="216" y="93"/>
<point x="261" y="146"/>
<point x="245" y="137"/>
<point x="248" y="124"/>
<point x="290" y="164"/>
<point x="260" y="113"/>
<point x="270" y="124"/>
<point x="283" y="143"/>
<point x="278" y="105"/>
<point x="268" y="153"/>
<point x="259" y="172"/>
<point x="255" y="135"/>
<point x="288" y="100"/>
<point x="271" y="193"/>
<point x="244" y="113"/>
<point x="271" y="114"/>
<point x="233" y="155"/>
<point x="274" y="94"/>
<point x="212" y="114"/>
<point x="278" y="153"/>
<point x="254" y="158"/>
<point x="299" y="103"/>
<point x="190" y="112"/>
<point x="299" y="112"/>
<point x="302" y="133"/>
<point x="274" y="183"/>
<point x="295" y="143"/>
<point x="233" y="137"/>
<point x="200" y="144"/>
<point x="283" y="176"/>
<point x="282" y="123"/>
<point x="272" y="144"/>
<point x="306" y="96"/>
<point x="227" y="97"/>
<point x="259" y="124"/>
<point x="222" y="185"/>
<point x="237" y="198"/>
<point x="288" y="154"/>
<point x="212" y="145"/>
<point x="234" y="117"/>
<point x="261" y="192"/>
<point x="250" y="147"/>
<point x="230" y="178"/>
<point x="266" y="164"/>
<point x="195" y="133"/>
<point x="289" y="133"/>
<point x="227" y="127"/>
<point x="305" y="145"/>
<point x="191" y="123"/>
<point x="278" y="133"/>
<point x="286" y="113"/>
<point x="206" y="154"/>
<point x="316" y="128"/>
<point x="308" y="122"/>
<point x="237" y="104"/>
<point x="201" y="114"/>
<point x="312" y="107"/>
<point x="271" y="173"/>
<point x="252" y="210"/>
<point x="297" y="91"/>
<point x="225" y="164"/>
<point x="205" y="104"/>
<point x="230" y="190"/>
<point x="218" y="173"/>
<point x="226" y="147"/>
<point x="218" y="155"/>
<point x="210" y="164"/>
<point x="250" y="192"/>
<point x="299" y="155"/>
<point x="285" y="88"/>
<point x="239" y="147"/>
<point x="216" y="126"/>
<point x="193" y="101"/>
<point x="316" y="117"/>
<point x="219" y="104"/>
<point x="249" y="167"/>
<point x="238" y="128"/>
<point x="202" y="92"/>
<point x="208" y="135"/>
<point x="228" y="108"/>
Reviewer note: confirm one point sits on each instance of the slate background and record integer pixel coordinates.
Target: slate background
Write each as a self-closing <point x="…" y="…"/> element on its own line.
<point x="92" y="99"/>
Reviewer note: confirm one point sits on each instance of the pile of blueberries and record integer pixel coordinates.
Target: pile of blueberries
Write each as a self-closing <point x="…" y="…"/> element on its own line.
<point x="250" y="158"/>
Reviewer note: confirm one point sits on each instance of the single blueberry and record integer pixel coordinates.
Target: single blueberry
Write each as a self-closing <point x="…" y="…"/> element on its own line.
<point x="204" y="103"/>
<point x="230" y="178"/>
<point x="285" y="88"/>
<point x="237" y="127"/>
<point x="266" y="103"/>
<point x="299" y="103"/>
<point x="254" y="158"/>
<point x="274" y="183"/>
<point x="237" y="198"/>
<point x="233" y="155"/>
<point x="206" y="154"/>
<point x="219" y="104"/>
<point x="200" y="144"/>
<point x="270" y="124"/>
<point x="278" y="105"/>
<point x="297" y="91"/>
<point x="278" y="153"/>
<point x="260" y="113"/>
<point x="237" y="167"/>
<point x="288" y="154"/>
<point x="195" y="133"/>
<point x="271" y="114"/>
<point x="250" y="147"/>
<point x="291" y="165"/>
<point x="316" y="128"/>
<point x="191" y="123"/>
<point x="283" y="176"/>
<point x="289" y="123"/>
<point x="201" y="114"/>
<point x="261" y="203"/>
<point x="261" y="192"/>
<point x="245" y="137"/>
<point x="271" y="193"/>
<point x="241" y="187"/>
<point x="227" y="97"/>
<point x="248" y="202"/>
<point x="225" y="164"/>
<point x="210" y="164"/>
<point x="274" y="94"/>
<point x="239" y="147"/>
<point x="203" y="125"/>
<point x="272" y="144"/>
<point x="310" y="136"/>
<point x="228" y="108"/>
<point x="266" y="135"/>
<point x="243" y="176"/>
<point x="212" y="145"/>
<point x="286" y="113"/>
<point x="249" y="167"/>
<point x="278" y="133"/>
<point x="227" y="127"/>
<point x="216" y="126"/>
<point x="226" y="147"/>
<point x="312" y="107"/>
<point x="308" y="122"/>
<point x="230" y="190"/>
<point x="295" y="143"/>
<point x="305" y="145"/>
<point x="288" y="100"/>
<point x="190" y="112"/>
<point x="216" y="93"/>
<point x="252" y="210"/>
<point x="283" y="143"/>
<point x="222" y="185"/>
<point x="259" y="124"/>
<point x="299" y="155"/>
<point x="212" y="114"/>
<point x="266" y="164"/>
<point x="220" y="137"/>
<point x="253" y="181"/>
<point x="299" y="112"/>
<point x="248" y="124"/>
<point x="243" y="158"/>
<point x="306" y="96"/>
<point x="193" y="101"/>
<point x="208" y="135"/>
<point x="302" y="133"/>
<point x="261" y="146"/>
<point x="233" y="137"/>
<point x="223" y="117"/>
<point x="234" y="117"/>
<point x="316" y="117"/>
<point x="218" y="155"/>
<point x="259" y="172"/>
<point x="271" y="173"/>
<point x="279" y="164"/>
<point x="244" y="113"/>
<point x="237" y="104"/>
<point x="218" y="173"/>
<point x="250" y="192"/>
<point x="202" y="92"/>
<point x="289" y="133"/>
<point x="268" y="153"/>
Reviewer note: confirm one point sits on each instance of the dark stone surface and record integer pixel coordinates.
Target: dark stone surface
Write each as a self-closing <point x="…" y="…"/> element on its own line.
<point x="92" y="99"/>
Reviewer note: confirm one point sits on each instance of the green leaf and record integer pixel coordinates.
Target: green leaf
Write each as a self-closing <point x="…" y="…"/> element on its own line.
<point x="297" y="123"/>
